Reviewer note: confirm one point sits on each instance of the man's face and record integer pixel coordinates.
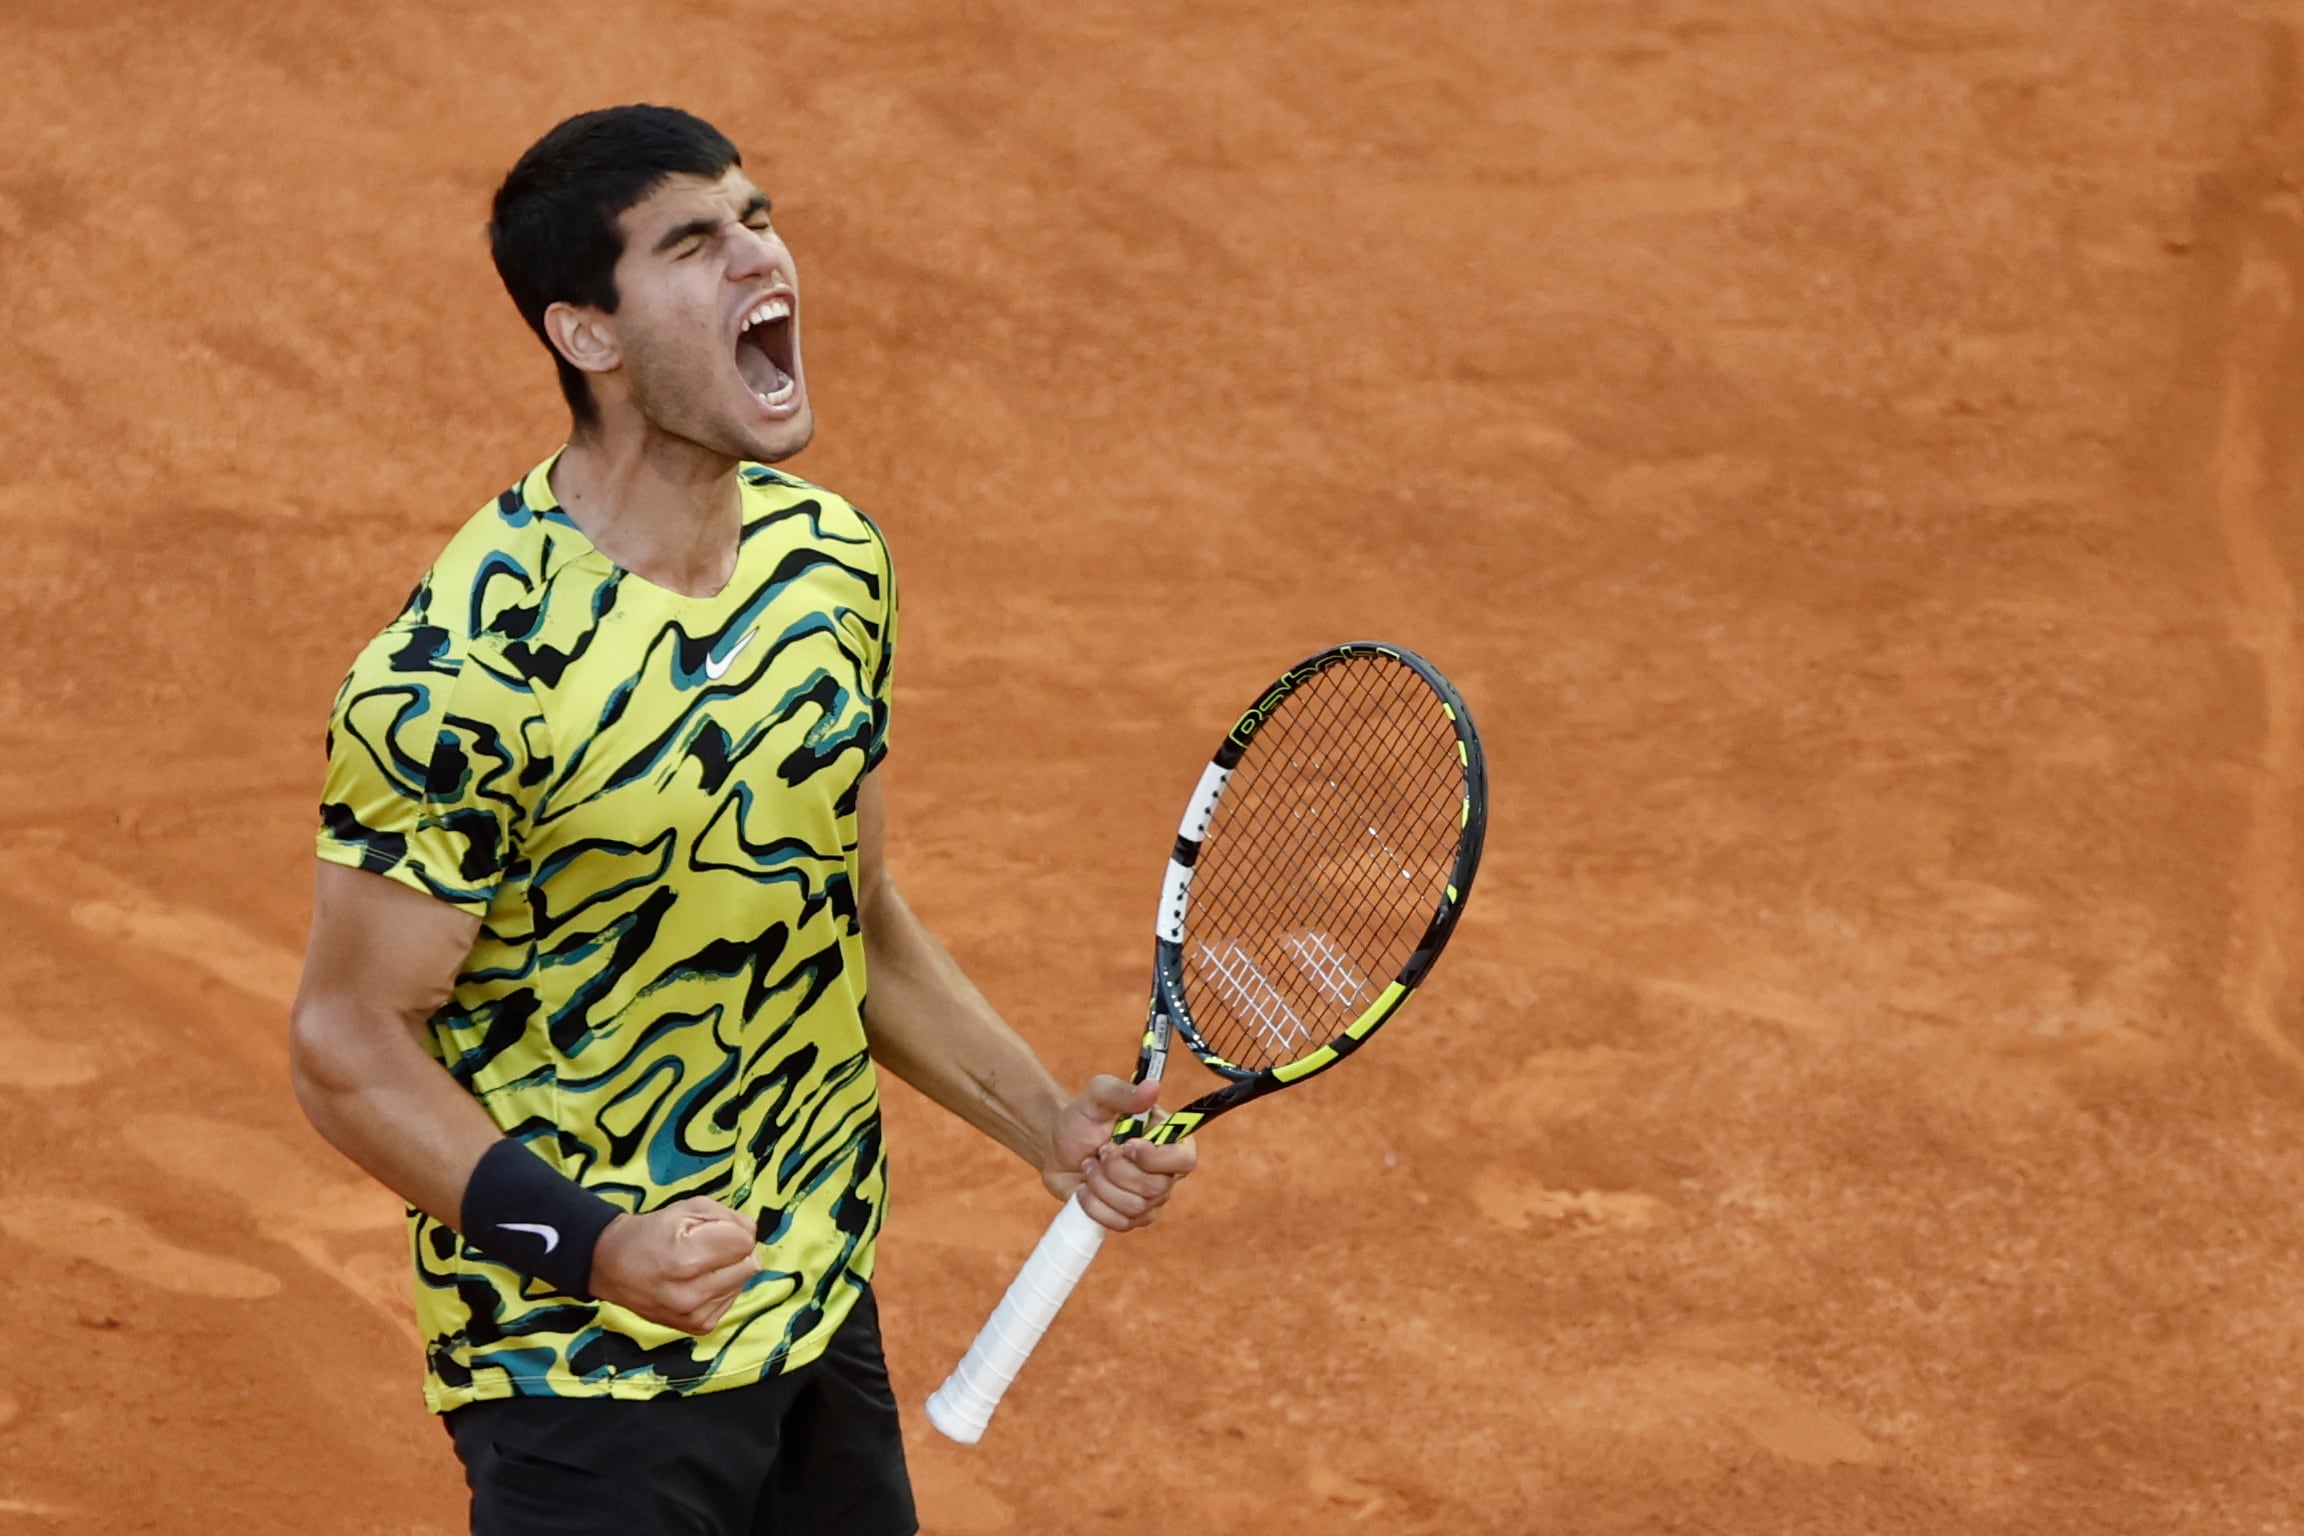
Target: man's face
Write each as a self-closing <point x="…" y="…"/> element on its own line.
<point x="708" y="319"/>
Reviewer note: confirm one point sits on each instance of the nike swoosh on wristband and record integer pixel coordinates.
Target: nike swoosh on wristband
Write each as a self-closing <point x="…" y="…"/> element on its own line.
<point x="716" y="667"/>
<point x="551" y="1235"/>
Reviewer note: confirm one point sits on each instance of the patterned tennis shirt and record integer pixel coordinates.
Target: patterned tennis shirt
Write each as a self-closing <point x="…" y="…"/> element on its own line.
<point x="649" y="800"/>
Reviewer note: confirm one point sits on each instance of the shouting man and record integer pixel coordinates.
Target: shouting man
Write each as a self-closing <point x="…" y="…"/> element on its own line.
<point x="602" y="889"/>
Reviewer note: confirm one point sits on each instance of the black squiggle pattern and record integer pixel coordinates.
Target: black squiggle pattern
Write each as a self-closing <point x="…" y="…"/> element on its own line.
<point x="650" y="802"/>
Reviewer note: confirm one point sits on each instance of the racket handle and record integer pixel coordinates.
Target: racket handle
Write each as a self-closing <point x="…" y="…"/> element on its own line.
<point x="963" y="1405"/>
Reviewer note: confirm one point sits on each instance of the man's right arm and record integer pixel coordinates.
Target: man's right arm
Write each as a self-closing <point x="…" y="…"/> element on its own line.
<point x="382" y="960"/>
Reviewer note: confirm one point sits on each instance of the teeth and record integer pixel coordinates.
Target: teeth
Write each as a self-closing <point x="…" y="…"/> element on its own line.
<point x="771" y="309"/>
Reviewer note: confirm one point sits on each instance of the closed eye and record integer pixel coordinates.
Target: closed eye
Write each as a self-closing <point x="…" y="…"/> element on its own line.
<point x="686" y="239"/>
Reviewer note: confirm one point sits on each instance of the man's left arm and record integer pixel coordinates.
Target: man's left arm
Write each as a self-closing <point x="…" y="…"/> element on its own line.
<point x="927" y="1023"/>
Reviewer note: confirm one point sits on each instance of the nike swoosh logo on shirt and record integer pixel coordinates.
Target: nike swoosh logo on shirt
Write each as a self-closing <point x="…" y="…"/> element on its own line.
<point x="551" y="1235"/>
<point x="716" y="667"/>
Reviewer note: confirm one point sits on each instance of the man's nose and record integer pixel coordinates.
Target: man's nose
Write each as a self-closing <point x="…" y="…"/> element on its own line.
<point x="752" y="252"/>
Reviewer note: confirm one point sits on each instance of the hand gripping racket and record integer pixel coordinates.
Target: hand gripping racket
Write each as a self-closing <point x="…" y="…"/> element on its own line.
<point x="1321" y="865"/>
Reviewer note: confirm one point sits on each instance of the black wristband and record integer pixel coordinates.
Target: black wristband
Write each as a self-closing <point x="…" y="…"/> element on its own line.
<point x="520" y="1211"/>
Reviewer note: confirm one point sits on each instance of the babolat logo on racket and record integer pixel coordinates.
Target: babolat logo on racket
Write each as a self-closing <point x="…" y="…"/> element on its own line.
<point x="1257" y="1002"/>
<point x="1330" y="970"/>
<point x="1262" y="709"/>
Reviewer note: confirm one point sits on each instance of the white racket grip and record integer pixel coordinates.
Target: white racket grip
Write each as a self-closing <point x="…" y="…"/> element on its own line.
<point x="963" y="1405"/>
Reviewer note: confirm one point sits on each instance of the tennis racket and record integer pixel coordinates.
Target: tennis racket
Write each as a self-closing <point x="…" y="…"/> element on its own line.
<point x="1321" y="866"/>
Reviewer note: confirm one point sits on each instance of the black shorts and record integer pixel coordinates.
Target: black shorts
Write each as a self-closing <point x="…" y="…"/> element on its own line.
<point x="814" y="1452"/>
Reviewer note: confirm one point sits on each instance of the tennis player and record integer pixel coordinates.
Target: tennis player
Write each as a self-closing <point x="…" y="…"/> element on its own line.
<point x="605" y="952"/>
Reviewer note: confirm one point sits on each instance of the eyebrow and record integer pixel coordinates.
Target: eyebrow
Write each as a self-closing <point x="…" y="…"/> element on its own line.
<point x="695" y="228"/>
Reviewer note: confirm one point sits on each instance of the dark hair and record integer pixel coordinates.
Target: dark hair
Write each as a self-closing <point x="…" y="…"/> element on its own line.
<point x="553" y="228"/>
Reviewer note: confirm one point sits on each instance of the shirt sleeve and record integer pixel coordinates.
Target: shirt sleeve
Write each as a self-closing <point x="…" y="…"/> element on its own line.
<point x="433" y="756"/>
<point x="884" y="664"/>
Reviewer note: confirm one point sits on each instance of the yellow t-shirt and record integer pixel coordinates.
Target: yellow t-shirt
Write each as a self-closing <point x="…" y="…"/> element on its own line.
<point x="650" y="801"/>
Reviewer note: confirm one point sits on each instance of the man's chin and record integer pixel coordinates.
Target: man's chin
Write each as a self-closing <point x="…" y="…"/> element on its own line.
<point x="780" y="440"/>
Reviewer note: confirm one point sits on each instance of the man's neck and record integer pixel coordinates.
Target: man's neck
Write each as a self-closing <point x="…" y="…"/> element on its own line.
<point x="664" y="509"/>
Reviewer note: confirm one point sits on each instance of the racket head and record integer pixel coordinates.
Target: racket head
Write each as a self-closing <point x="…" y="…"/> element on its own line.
<point x="1320" y="870"/>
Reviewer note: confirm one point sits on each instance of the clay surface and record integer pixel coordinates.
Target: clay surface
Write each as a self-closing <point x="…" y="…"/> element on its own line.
<point x="1845" y="451"/>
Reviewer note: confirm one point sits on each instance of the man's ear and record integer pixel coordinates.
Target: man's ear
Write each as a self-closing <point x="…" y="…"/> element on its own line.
<point x="585" y="336"/>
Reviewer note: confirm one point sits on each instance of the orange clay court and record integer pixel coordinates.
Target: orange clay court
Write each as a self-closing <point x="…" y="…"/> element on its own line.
<point x="1845" y="451"/>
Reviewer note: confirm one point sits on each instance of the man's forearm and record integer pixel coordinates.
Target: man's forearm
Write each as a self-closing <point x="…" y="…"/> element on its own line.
<point x="927" y="1023"/>
<point x="389" y="1107"/>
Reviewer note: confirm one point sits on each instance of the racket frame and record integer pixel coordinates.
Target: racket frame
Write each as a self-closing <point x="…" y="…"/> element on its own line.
<point x="1170" y="1012"/>
<point x="963" y="1406"/>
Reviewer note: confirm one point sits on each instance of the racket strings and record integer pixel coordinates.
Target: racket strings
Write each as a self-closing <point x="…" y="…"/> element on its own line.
<point x="1328" y="856"/>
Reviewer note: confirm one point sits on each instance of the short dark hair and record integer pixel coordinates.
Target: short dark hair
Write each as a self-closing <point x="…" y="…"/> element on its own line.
<point x="553" y="228"/>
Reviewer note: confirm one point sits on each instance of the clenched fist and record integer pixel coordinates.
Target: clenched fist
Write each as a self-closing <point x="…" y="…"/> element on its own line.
<point x="681" y="1266"/>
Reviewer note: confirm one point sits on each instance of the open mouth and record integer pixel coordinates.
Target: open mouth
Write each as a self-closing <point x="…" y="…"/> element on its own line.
<point x="764" y="352"/>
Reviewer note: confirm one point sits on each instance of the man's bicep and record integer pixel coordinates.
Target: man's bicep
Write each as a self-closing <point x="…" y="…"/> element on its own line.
<point x="383" y="957"/>
<point x="382" y="945"/>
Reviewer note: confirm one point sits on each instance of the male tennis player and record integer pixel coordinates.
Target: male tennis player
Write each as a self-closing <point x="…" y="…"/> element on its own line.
<point x="601" y="889"/>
